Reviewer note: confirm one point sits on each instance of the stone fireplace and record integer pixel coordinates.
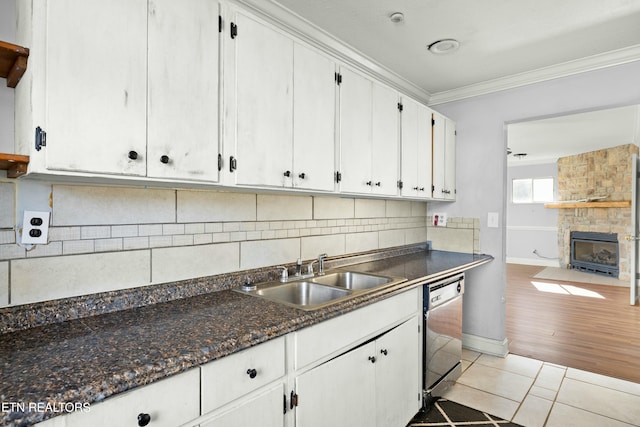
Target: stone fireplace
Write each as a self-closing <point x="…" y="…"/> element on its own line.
<point x="603" y="173"/>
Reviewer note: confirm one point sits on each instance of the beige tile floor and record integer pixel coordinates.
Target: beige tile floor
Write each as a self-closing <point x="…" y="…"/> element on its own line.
<point x="535" y="394"/>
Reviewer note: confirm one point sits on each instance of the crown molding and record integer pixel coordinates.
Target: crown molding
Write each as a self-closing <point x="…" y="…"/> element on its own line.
<point x="591" y="63"/>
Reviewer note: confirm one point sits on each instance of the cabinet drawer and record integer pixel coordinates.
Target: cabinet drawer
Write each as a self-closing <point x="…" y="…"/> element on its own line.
<point x="233" y="376"/>
<point x="169" y="402"/>
<point x="327" y="337"/>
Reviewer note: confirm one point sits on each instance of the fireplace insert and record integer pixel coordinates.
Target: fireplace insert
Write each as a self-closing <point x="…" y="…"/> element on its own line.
<point x="595" y="253"/>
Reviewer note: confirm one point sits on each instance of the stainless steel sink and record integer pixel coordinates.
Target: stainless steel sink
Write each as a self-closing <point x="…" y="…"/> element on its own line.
<point x="353" y="280"/>
<point x="321" y="291"/>
<point x="303" y="294"/>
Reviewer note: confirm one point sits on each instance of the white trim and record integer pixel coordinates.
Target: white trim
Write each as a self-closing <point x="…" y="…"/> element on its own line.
<point x="595" y="62"/>
<point x="485" y="345"/>
<point x="531" y="228"/>
<point x="534" y="261"/>
<point x="306" y="31"/>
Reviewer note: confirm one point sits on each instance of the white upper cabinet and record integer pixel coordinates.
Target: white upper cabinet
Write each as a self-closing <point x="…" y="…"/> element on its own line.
<point x="264" y="104"/>
<point x="444" y="158"/>
<point x="314" y="107"/>
<point x="416" y="167"/>
<point x="284" y="110"/>
<point x="90" y="84"/>
<point x="123" y="87"/>
<point x="183" y="45"/>
<point x="368" y="136"/>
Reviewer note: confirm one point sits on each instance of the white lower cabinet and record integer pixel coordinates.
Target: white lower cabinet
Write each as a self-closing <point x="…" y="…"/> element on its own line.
<point x="259" y="410"/>
<point x="376" y="384"/>
<point x="169" y="402"/>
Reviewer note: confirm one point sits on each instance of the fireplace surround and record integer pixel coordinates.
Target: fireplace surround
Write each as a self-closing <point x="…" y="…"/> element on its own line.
<point x="595" y="253"/>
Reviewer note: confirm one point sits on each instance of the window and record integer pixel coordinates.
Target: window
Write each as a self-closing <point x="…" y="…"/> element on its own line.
<point x="532" y="190"/>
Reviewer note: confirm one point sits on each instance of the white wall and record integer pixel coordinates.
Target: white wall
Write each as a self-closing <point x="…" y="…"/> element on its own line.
<point x="530" y="226"/>
<point x="481" y="166"/>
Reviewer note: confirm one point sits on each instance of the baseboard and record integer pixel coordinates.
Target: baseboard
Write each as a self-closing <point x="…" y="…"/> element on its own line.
<point x="485" y="345"/>
<point x="534" y="261"/>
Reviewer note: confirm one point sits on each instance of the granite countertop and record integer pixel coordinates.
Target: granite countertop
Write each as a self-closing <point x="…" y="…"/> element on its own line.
<point x="89" y="359"/>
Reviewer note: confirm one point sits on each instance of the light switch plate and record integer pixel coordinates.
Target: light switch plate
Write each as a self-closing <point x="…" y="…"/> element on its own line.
<point x="439" y="220"/>
<point x="492" y="219"/>
<point x="35" y="228"/>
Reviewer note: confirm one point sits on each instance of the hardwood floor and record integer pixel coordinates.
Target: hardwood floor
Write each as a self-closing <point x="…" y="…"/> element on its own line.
<point x="579" y="325"/>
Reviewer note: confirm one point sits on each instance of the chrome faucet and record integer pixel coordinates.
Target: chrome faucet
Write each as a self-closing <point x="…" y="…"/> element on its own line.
<point x="284" y="277"/>
<point x="321" y="259"/>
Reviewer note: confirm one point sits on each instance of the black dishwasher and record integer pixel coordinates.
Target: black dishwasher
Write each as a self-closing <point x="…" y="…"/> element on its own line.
<point x="442" y="346"/>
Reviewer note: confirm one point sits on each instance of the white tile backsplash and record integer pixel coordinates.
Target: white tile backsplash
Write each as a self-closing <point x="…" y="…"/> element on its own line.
<point x="85" y="205"/>
<point x="169" y="264"/>
<point x="276" y="207"/>
<point x="41" y="279"/>
<point x="184" y="228"/>
<point x="360" y="242"/>
<point x="332" y="245"/>
<point x="7" y="205"/>
<point x="369" y="208"/>
<point x="268" y="252"/>
<point x="212" y="206"/>
<point x="333" y="207"/>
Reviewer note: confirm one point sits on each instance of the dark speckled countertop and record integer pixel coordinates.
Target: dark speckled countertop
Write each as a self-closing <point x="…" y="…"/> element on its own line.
<point x="86" y="360"/>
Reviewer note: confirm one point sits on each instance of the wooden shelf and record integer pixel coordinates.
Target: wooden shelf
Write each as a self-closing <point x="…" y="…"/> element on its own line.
<point x="13" y="62"/>
<point x="573" y="205"/>
<point x="14" y="164"/>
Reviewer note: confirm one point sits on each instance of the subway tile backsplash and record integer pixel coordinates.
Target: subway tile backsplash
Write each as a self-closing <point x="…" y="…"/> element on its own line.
<point x="110" y="238"/>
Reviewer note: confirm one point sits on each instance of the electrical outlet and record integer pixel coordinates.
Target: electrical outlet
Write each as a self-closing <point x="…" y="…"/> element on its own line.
<point x="439" y="220"/>
<point x="35" y="228"/>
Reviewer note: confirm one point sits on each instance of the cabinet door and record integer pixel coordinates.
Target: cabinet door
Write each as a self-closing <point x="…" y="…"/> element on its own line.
<point x="410" y="138"/>
<point x="264" y="410"/>
<point x="424" y="156"/>
<point x="96" y="85"/>
<point x="264" y="104"/>
<point x="339" y="393"/>
<point x="169" y="402"/>
<point x="314" y="106"/>
<point x="183" y="90"/>
<point x="384" y="141"/>
<point x="355" y="132"/>
<point x="443" y="158"/>
<point x="450" y="159"/>
<point x="398" y="375"/>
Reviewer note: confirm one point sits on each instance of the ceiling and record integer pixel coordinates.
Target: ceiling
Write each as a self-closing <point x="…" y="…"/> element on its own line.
<point x="544" y="141"/>
<point x="502" y="42"/>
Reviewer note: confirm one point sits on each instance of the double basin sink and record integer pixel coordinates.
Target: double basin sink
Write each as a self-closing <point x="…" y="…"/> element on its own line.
<point x="322" y="290"/>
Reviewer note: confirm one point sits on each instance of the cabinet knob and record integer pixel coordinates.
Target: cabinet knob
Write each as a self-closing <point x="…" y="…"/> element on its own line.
<point x="252" y="373"/>
<point x="384" y="351"/>
<point x="369" y="183"/>
<point x="133" y="155"/>
<point x="144" y="419"/>
<point x="378" y="184"/>
<point x="287" y="173"/>
<point x="372" y="359"/>
<point x="421" y="188"/>
<point x="164" y="159"/>
<point x="302" y="175"/>
<point x="415" y="188"/>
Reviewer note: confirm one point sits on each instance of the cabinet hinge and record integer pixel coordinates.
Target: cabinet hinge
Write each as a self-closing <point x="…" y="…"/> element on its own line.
<point x="219" y="162"/>
<point x="433" y="122"/>
<point x="338" y="78"/>
<point x="219" y="23"/>
<point x="400" y="184"/>
<point x="41" y="138"/>
<point x="233" y="164"/>
<point x="433" y="188"/>
<point x="338" y="176"/>
<point x="400" y="106"/>
<point x="293" y="402"/>
<point x="234" y="30"/>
